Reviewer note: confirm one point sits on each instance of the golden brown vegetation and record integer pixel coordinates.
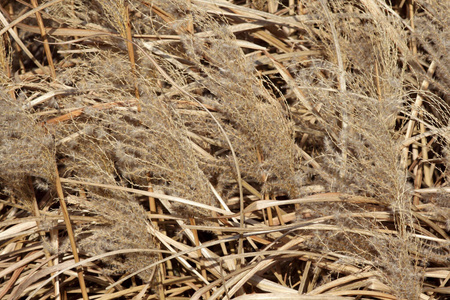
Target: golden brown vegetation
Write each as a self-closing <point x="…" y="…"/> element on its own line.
<point x="212" y="149"/>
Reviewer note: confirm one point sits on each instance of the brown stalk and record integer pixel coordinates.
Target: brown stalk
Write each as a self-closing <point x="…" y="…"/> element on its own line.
<point x="152" y="203"/>
<point x="427" y="173"/>
<point x="48" y="52"/>
<point x="66" y="31"/>
<point x="304" y="278"/>
<point x="272" y="6"/>
<point x="279" y="215"/>
<point x="130" y="49"/>
<point x="263" y="180"/>
<point x="190" y="23"/>
<point x="79" y="112"/>
<point x="168" y="18"/>
<point x="271" y="40"/>
<point x="269" y="212"/>
<point x="36" y="213"/>
<point x="153" y="210"/>
<point x="292" y="7"/>
<point x="68" y="223"/>
<point x="415" y="110"/>
<point x="201" y="265"/>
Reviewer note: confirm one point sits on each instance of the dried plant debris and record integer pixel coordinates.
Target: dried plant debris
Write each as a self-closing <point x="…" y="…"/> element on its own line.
<point x="335" y="112"/>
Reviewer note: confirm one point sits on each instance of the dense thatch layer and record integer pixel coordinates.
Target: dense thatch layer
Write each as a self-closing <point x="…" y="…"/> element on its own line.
<point x="224" y="149"/>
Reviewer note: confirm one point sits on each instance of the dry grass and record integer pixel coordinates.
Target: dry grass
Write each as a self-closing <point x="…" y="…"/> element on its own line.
<point x="224" y="149"/>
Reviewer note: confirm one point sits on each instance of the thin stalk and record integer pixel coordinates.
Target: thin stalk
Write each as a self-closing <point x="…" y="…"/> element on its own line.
<point x="65" y="212"/>
<point x="48" y="52"/>
<point x="415" y="111"/>
<point x="130" y="49"/>
<point x="201" y="266"/>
